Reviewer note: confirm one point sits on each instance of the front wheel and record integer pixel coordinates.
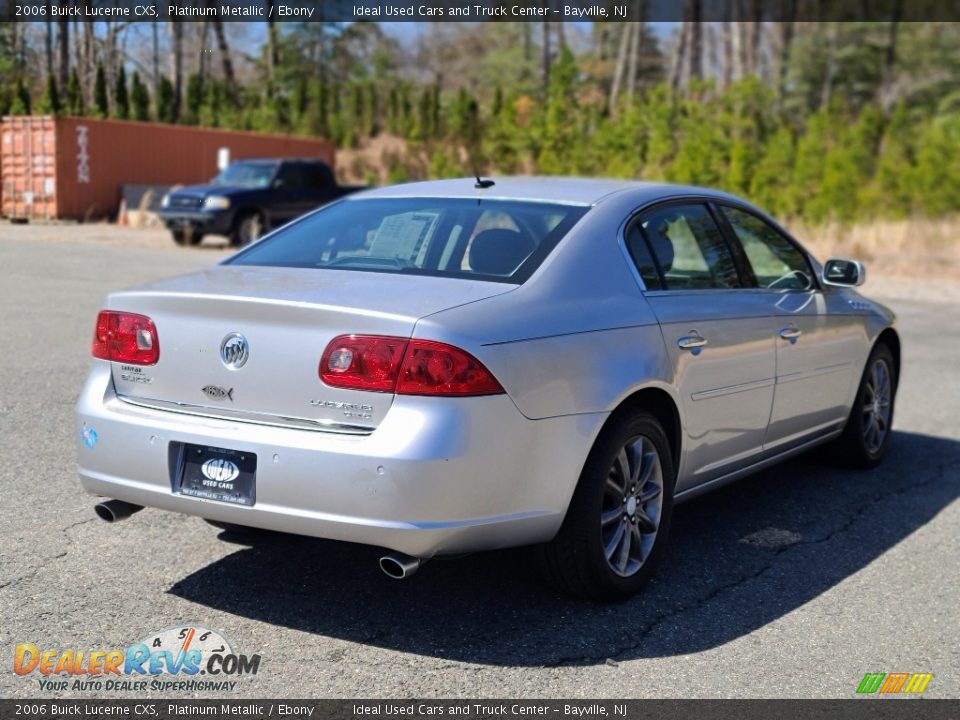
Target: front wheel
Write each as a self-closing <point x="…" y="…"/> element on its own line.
<point x="866" y="437"/>
<point x="186" y="237"/>
<point x="247" y="229"/>
<point x="619" y="518"/>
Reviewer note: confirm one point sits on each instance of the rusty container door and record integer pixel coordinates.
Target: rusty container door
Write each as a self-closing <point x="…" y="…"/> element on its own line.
<point x="28" y="147"/>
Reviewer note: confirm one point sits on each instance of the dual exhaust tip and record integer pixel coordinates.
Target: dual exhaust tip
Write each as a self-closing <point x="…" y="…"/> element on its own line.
<point x="115" y="510"/>
<point x="395" y="565"/>
<point x="399" y="566"/>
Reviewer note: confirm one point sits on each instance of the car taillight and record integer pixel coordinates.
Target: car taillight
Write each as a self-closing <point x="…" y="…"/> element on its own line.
<point x="126" y="337"/>
<point x="362" y="362"/>
<point x="406" y="367"/>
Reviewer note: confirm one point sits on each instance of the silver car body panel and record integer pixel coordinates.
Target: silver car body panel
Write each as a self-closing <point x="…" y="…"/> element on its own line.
<point x="442" y="475"/>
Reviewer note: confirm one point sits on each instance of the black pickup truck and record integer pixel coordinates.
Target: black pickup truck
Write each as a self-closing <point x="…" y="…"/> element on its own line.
<point x="249" y="198"/>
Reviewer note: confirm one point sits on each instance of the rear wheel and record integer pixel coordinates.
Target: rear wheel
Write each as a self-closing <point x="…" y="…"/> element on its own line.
<point x="866" y="437"/>
<point x="618" y="520"/>
<point x="186" y="237"/>
<point x="247" y="229"/>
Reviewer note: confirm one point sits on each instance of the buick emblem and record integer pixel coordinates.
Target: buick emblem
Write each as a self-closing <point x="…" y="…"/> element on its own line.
<point x="220" y="470"/>
<point x="234" y="351"/>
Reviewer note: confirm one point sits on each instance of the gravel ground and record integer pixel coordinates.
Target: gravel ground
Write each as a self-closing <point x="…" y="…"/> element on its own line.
<point x="793" y="583"/>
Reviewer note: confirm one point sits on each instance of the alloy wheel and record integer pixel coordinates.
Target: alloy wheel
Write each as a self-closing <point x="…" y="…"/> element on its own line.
<point x="876" y="406"/>
<point x="632" y="506"/>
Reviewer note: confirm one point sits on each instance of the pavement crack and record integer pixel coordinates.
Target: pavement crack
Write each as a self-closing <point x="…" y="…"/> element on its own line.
<point x="852" y="518"/>
<point x="51" y="559"/>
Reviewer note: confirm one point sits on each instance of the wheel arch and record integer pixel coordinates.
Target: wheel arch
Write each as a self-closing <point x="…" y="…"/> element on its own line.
<point x="663" y="407"/>
<point x="891" y="339"/>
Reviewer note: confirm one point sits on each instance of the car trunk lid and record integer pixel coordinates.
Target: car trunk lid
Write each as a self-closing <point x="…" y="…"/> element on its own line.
<point x="283" y="318"/>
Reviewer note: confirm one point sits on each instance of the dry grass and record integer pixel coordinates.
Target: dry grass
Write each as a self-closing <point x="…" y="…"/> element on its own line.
<point x="917" y="247"/>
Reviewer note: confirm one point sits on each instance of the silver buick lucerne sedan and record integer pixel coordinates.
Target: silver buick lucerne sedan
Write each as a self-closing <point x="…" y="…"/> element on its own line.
<point x="445" y="367"/>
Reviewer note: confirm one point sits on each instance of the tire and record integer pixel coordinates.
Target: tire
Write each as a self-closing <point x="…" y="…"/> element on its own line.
<point x="247" y="228"/>
<point x="586" y="558"/>
<point x="866" y="437"/>
<point x="181" y="237"/>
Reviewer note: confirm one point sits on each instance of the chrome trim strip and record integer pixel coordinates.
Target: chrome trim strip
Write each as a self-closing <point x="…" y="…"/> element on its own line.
<point x="254" y="418"/>
<point x="825" y="370"/>
<point x="731" y="389"/>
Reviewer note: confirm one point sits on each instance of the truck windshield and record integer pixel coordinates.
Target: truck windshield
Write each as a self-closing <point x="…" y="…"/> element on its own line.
<point x="255" y="175"/>
<point x="500" y="240"/>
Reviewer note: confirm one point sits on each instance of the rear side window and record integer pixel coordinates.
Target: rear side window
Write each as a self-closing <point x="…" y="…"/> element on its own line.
<point x="290" y="176"/>
<point x="315" y="175"/>
<point x="503" y="240"/>
<point x="689" y="248"/>
<point x="776" y="262"/>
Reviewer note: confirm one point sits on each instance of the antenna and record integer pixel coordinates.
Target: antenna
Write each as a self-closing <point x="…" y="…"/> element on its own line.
<point x="483" y="184"/>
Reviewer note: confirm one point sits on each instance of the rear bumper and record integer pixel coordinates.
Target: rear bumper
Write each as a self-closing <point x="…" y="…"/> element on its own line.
<point x="437" y="476"/>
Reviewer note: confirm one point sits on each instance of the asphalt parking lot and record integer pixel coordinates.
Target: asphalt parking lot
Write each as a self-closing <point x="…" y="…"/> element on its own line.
<point x="793" y="583"/>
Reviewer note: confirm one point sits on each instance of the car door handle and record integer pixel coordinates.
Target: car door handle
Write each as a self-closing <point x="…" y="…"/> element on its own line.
<point x="691" y="342"/>
<point x="791" y="333"/>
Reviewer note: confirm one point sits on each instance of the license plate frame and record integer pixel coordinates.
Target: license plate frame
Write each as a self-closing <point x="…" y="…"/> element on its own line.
<point x="218" y="474"/>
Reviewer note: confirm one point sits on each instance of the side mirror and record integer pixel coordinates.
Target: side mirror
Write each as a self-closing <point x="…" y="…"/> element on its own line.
<point x="279" y="184"/>
<point x="844" y="273"/>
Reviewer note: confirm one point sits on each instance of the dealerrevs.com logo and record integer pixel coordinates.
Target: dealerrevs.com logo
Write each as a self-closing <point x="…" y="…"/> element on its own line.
<point x="179" y="658"/>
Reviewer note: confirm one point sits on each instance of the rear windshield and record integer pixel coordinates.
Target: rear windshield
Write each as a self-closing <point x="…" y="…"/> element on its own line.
<point x="504" y="240"/>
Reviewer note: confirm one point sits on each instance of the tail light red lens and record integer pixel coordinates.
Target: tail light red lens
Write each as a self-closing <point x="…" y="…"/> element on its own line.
<point x="432" y="368"/>
<point x="406" y="367"/>
<point x="365" y="362"/>
<point x="126" y="337"/>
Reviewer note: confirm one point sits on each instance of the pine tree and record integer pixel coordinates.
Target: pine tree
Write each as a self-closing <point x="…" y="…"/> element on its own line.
<point x="75" y="104"/>
<point x="196" y="95"/>
<point x="50" y="104"/>
<point x="164" y="100"/>
<point x="21" y="100"/>
<point x="808" y="169"/>
<point x="121" y="100"/>
<point x="773" y="174"/>
<point x="559" y="130"/>
<point x="936" y="179"/>
<point x="100" y="93"/>
<point x="140" y="98"/>
<point x="891" y="192"/>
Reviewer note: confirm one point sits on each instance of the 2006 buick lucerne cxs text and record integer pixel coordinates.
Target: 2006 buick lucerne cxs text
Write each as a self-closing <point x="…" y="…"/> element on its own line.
<point x="453" y="366"/>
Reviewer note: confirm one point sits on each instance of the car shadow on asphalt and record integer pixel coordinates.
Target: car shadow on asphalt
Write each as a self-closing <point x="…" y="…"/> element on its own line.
<point x="739" y="558"/>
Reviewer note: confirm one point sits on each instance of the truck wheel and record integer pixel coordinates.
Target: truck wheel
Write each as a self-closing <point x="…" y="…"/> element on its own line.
<point x="247" y="229"/>
<point x="183" y="237"/>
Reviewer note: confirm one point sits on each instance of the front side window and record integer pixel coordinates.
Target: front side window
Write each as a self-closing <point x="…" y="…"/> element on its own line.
<point x="776" y="262"/>
<point x="689" y="248"/>
<point x="502" y="240"/>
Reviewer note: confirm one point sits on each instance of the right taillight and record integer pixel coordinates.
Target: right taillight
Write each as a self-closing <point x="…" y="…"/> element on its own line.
<point x="125" y="337"/>
<point x="405" y="367"/>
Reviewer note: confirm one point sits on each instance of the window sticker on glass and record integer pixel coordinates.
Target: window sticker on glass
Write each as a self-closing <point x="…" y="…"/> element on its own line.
<point x="404" y="237"/>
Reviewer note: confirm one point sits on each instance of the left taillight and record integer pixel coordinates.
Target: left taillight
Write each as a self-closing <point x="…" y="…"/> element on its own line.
<point x="125" y="337"/>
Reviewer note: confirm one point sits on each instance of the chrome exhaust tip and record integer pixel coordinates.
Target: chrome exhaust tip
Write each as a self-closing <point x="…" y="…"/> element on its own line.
<point x="399" y="566"/>
<point x="115" y="510"/>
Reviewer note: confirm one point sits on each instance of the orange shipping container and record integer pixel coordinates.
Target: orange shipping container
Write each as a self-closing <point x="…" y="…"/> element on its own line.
<point x="73" y="168"/>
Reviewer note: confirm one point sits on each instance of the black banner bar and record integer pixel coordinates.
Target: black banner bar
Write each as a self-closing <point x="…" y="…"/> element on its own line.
<point x="873" y="708"/>
<point x="480" y="10"/>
